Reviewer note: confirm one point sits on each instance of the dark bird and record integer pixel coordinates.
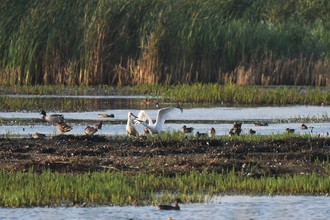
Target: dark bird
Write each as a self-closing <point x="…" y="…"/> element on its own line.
<point x="52" y="118"/>
<point x="237" y="125"/>
<point x="185" y="129"/>
<point x="200" y="135"/>
<point x="303" y="127"/>
<point x="235" y="131"/>
<point x="99" y="125"/>
<point x="63" y="127"/>
<point x="106" y="116"/>
<point x="169" y="207"/>
<point x="289" y="130"/>
<point x="260" y="124"/>
<point x="252" y="131"/>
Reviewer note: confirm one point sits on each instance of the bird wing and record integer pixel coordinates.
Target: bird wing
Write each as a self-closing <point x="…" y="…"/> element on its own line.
<point x="164" y="113"/>
<point x="144" y="117"/>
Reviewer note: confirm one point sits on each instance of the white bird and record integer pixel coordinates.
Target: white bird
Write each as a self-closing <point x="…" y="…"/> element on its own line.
<point x="162" y="115"/>
<point x="131" y="128"/>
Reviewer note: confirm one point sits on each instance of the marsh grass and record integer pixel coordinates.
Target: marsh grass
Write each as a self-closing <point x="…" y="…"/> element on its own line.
<point x="21" y="189"/>
<point x="181" y="94"/>
<point x="126" y="43"/>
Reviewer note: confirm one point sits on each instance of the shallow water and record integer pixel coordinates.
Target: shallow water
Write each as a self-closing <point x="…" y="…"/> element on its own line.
<point x="227" y="207"/>
<point x="202" y="119"/>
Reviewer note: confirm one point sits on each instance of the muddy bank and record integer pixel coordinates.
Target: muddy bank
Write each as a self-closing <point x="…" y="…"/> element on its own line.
<point x="79" y="154"/>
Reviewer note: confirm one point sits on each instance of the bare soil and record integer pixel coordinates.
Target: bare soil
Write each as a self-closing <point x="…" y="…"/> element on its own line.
<point x="79" y="154"/>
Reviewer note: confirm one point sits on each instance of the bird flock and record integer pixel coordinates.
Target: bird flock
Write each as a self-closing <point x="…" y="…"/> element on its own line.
<point x="151" y="127"/>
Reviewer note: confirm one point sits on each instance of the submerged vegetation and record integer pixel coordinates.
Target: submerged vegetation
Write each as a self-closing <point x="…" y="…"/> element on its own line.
<point x="82" y="42"/>
<point x="29" y="189"/>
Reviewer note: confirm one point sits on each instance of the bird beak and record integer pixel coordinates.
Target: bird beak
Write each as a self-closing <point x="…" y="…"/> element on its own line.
<point x="134" y="115"/>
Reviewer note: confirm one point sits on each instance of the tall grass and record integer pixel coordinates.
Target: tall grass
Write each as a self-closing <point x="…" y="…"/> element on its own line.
<point x="83" y="42"/>
<point x="19" y="189"/>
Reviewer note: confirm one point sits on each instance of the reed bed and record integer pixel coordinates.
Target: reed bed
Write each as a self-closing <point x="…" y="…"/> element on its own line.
<point x="181" y="94"/>
<point x="30" y="189"/>
<point x="83" y="42"/>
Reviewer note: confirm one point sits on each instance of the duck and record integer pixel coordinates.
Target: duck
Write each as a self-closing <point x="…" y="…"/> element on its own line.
<point x="131" y="128"/>
<point x="237" y="125"/>
<point x="99" y="125"/>
<point x="260" y="124"/>
<point x="235" y="131"/>
<point x="212" y="132"/>
<point x="252" y="131"/>
<point x="90" y="130"/>
<point x="63" y="127"/>
<point x="169" y="207"/>
<point x="200" y="135"/>
<point x="38" y="135"/>
<point x="106" y="116"/>
<point x="289" y="130"/>
<point x="185" y="129"/>
<point x="303" y="126"/>
<point x="52" y="118"/>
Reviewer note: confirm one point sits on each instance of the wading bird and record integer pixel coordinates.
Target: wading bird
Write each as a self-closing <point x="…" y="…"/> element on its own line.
<point x="162" y="115"/>
<point x="52" y="118"/>
<point x="131" y="128"/>
<point x="169" y="207"/>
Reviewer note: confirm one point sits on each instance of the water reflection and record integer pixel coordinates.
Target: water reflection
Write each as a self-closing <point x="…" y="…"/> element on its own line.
<point x="227" y="207"/>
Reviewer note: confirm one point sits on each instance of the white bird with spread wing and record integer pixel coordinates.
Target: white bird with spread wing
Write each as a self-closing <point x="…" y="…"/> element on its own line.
<point x="162" y="115"/>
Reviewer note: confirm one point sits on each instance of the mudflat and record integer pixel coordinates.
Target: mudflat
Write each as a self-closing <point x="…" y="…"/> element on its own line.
<point x="79" y="154"/>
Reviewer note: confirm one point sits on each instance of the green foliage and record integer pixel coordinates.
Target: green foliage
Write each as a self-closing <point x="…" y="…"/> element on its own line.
<point x="31" y="189"/>
<point x="83" y="42"/>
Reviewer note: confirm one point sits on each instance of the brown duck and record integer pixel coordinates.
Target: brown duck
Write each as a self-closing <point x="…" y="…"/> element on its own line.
<point x="169" y="207"/>
<point x="63" y="127"/>
<point x="90" y="130"/>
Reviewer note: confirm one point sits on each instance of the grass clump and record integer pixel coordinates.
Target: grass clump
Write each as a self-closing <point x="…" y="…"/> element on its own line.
<point x="29" y="189"/>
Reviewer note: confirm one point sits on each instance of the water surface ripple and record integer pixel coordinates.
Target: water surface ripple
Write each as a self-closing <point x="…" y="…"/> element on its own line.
<point x="228" y="207"/>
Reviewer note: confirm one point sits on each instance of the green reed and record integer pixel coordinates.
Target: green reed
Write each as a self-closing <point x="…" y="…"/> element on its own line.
<point x="20" y="189"/>
<point x="126" y="43"/>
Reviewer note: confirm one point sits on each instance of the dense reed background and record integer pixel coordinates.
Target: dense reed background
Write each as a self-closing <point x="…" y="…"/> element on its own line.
<point x="83" y="42"/>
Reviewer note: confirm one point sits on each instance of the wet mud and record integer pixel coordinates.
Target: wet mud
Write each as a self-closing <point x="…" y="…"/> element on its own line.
<point x="80" y="154"/>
